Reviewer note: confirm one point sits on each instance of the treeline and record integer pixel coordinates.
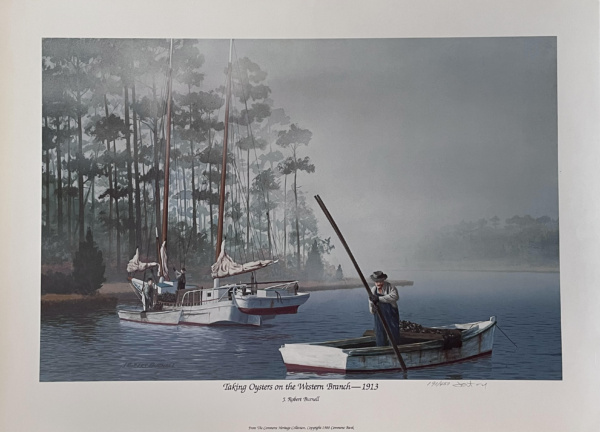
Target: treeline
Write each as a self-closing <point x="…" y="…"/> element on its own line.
<point x="103" y="136"/>
<point x="521" y="240"/>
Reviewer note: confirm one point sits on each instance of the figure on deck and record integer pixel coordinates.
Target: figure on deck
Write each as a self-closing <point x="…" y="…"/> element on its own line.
<point x="148" y="295"/>
<point x="180" y="275"/>
<point x="385" y="295"/>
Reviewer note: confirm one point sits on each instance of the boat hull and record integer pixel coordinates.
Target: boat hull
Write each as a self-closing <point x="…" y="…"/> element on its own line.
<point x="477" y="340"/>
<point x="151" y="317"/>
<point x="220" y="313"/>
<point x="270" y="304"/>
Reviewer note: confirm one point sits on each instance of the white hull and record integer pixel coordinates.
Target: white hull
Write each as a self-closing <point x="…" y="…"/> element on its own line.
<point x="270" y="301"/>
<point x="171" y="317"/>
<point x="212" y="306"/>
<point x="225" y="312"/>
<point x="357" y="354"/>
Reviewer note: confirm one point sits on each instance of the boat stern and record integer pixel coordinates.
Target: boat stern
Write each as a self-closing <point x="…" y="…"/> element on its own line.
<point x="315" y="358"/>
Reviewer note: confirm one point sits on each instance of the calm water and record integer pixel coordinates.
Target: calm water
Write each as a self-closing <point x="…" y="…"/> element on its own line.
<point x="99" y="347"/>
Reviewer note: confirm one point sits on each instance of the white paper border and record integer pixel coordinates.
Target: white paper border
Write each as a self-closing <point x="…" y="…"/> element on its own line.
<point x="26" y="404"/>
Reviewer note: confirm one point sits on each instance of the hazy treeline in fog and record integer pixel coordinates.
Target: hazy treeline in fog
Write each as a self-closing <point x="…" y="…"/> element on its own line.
<point x="103" y="125"/>
<point x="521" y="241"/>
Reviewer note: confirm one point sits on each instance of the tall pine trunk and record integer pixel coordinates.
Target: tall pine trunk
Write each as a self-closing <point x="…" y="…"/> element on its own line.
<point x="297" y="224"/>
<point x="116" y="197"/>
<point x="47" y="185"/>
<point x="59" y="188"/>
<point x="194" y="215"/>
<point x="285" y="221"/>
<point x="110" y="185"/>
<point x="69" y="197"/>
<point x="248" y="198"/>
<point x="194" y="211"/>
<point x="130" y="221"/>
<point x="80" y="216"/>
<point x="136" y="166"/>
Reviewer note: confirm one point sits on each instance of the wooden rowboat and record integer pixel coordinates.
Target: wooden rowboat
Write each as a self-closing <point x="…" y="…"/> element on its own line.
<point x="460" y="342"/>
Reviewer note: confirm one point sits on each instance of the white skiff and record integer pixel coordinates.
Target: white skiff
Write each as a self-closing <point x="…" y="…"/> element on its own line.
<point x="418" y="350"/>
<point x="276" y="300"/>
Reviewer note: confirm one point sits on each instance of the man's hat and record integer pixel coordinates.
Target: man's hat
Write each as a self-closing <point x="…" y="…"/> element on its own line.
<point x="379" y="276"/>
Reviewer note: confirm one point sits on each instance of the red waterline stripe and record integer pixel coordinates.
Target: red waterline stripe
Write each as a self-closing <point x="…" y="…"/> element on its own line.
<point x="271" y="311"/>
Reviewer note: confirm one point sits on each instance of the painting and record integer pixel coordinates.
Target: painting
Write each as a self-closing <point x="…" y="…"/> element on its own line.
<point x="214" y="211"/>
<point x="446" y="147"/>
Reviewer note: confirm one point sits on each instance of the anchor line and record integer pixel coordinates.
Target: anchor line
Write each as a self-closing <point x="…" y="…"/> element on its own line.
<point x="502" y="331"/>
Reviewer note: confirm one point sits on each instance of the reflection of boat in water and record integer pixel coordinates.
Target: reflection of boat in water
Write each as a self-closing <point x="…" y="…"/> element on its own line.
<point x="434" y="346"/>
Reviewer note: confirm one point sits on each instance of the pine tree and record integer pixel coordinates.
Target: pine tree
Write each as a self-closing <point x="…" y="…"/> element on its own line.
<point x="314" y="263"/>
<point x="88" y="266"/>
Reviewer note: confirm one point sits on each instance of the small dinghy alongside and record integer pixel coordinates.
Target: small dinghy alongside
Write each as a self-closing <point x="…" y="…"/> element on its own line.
<point x="427" y="347"/>
<point x="170" y="317"/>
<point x="275" y="300"/>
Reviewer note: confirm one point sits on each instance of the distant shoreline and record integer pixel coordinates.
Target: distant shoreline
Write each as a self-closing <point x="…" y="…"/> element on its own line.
<point x="472" y="270"/>
<point x="122" y="288"/>
<point x="61" y="303"/>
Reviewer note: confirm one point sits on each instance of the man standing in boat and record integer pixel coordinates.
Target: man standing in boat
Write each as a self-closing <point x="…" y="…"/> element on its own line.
<point x="385" y="295"/>
<point x="180" y="276"/>
<point x="148" y="295"/>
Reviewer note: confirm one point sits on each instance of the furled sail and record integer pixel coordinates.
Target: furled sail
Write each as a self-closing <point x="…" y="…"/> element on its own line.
<point x="163" y="269"/>
<point x="226" y="266"/>
<point x="135" y="265"/>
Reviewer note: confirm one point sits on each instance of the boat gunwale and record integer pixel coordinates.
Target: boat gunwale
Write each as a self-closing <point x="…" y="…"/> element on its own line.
<point x="318" y="369"/>
<point x="416" y="346"/>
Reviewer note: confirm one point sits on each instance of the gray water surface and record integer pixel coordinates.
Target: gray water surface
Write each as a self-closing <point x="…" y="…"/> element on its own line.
<point x="99" y="347"/>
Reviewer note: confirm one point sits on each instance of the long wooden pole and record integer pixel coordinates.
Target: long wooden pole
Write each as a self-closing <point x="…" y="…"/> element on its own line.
<point x="388" y="332"/>
<point x="224" y="161"/>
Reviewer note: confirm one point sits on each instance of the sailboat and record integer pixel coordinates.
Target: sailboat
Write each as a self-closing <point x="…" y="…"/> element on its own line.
<point x="237" y="303"/>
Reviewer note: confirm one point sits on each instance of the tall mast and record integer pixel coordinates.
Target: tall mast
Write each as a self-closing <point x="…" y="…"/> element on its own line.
<point x="224" y="163"/>
<point x="165" y="213"/>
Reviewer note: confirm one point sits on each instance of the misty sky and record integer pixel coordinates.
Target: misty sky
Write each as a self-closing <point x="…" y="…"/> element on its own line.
<point x="413" y="134"/>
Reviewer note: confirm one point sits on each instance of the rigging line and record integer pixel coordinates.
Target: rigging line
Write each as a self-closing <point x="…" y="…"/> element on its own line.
<point x="234" y="221"/>
<point x="259" y="249"/>
<point x="261" y="185"/>
<point x="249" y="130"/>
<point x="240" y="198"/>
<point x="181" y="219"/>
<point x="241" y="253"/>
<point x="244" y="200"/>
<point x="248" y="125"/>
<point x="502" y="331"/>
<point x="255" y="237"/>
